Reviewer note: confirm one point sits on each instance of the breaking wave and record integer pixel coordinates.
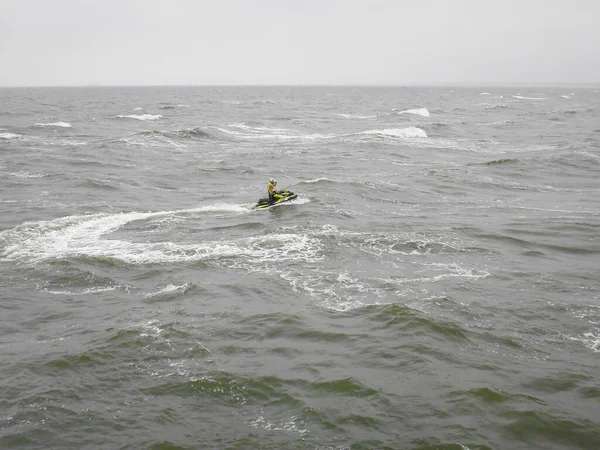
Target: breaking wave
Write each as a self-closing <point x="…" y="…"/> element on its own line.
<point x="410" y="132"/>
<point x="53" y="124"/>
<point x="9" y="136"/>
<point x="140" y="117"/>
<point x="424" y="112"/>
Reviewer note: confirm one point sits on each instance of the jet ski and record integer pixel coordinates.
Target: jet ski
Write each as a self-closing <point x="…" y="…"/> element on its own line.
<point x="280" y="197"/>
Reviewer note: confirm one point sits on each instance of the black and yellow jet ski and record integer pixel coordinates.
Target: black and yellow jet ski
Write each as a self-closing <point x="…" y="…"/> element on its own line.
<point x="280" y="197"/>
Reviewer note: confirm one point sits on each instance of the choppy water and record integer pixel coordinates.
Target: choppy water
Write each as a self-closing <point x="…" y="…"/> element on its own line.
<point x="435" y="285"/>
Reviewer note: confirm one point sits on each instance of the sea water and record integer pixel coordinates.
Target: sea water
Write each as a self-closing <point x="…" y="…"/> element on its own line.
<point x="434" y="286"/>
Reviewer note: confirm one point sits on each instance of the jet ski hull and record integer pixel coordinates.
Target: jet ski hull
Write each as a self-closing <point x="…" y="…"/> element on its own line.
<point x="280" y="197"/>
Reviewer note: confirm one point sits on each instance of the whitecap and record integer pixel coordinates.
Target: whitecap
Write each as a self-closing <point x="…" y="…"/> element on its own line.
<point x="27" y="175"/>
<point x="316" y="180"/>
<point x="590" y="340"/>
<point x="141" y="117"/>
<point x="259" y="129"/>
<point x="484" y="93"/>
<point x="9" y="136"/>
<point x="86" y="291"/>
<point x="221" y="207"/>
<point x="410" y="132"/>
<point x="53" y="124"/>
<point x="355" y="116"/>
<point x="170" y="288"/>
<point x="74" y="236"/>
<point x="417" y="111"/>
<point x="273" y="135"/>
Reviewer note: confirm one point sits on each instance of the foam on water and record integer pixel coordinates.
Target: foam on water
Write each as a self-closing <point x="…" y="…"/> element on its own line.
<point x="86" y="291"/>
<point x="260" y="129"/>
<point x="316" y="180"/>
<point x="271" y="134"/>
<point x="170" y="288"/>
<point x="357" y="116"/>
<point x="410" y="132"/>
<point x="88" y="236"/>
<point x="53" y="124"/>
<point x="591" y="340"/>
<point x="140" y="116"/>
<point x="287" y="425"/>
<point x="245" y="132"/>
<point x="520" y="97"/>
<point x="9" y="136"/>
<point x="28" y="175"/>
<point x="424" y="112"/>
<point x="222" y="207"/>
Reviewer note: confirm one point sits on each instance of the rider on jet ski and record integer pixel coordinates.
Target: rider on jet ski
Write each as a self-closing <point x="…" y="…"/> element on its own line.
<point x="275" y="197"/>
<point x="271" y="190"/>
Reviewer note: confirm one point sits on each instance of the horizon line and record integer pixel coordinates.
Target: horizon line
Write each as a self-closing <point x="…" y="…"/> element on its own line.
<point x="358" y="85"/>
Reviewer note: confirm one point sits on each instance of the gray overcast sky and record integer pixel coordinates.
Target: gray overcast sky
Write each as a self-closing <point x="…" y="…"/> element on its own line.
<point x="394" y="42"/>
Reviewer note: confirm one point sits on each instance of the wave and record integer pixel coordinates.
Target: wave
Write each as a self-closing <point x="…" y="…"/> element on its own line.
<point x="188" y="133"/>
<point x="591" y="340"/>
<point x="169" y="106"/>
<point x="140" y="117"/>
<point x="435" y="125"/>
<point x="85" y="237"/>
<point x="355" y="116"/>
<point x="424" y="112"/>
<point x="292" y="253"/>
<point x="28" y="175"/>
<point x="520" y="97"/>
<point x="160" y="138"/>
<point x="316" y="180"/>
<point x="256" y="128"/>
<point x="589" y="154"/>
<point x="269" y="134"/>
<point x="502" y="123"/>
<point x="410" y="132"/>
<point x="53" y="124"/>
<point x="85" y="291"/>
<point x="171" y="289"/>
<point x="251" y="131"/>
<point x="502" y="161"/>
<point x="10" y="136"/>
<point x="413" y="320"/>
<point x="497" y="106"/>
